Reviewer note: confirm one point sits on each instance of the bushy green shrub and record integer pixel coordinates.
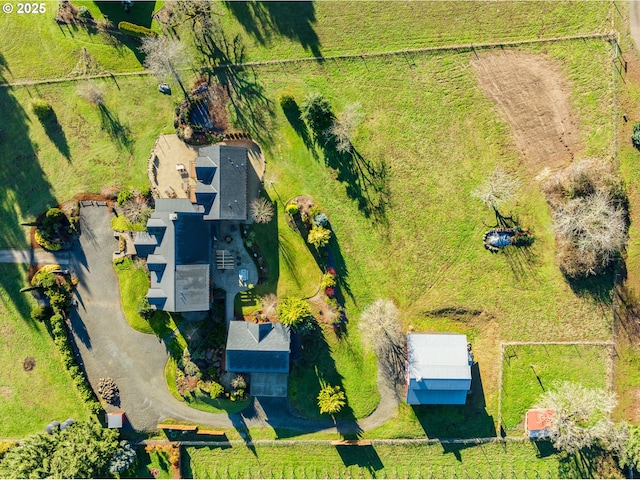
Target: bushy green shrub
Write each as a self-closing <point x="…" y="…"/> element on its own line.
<point x="287" y="101"/>
<point x="145" y="310"/>
<point x="42" y="108"/>
<point x="46" y="244"/>
<point x="216" y="390"/>
<point x="316" y="111"/>
<point x="293" y="312"/>
<point x="191" y="369"/>
<point x="327" y="281"/>
<point x="137" y="30"/>
<point x="124" y="196"/>
<point x="321" y="220"/>
<point x="292" y="209"/>
<point x="319" y="236"/>
<point x="40" y="313"/>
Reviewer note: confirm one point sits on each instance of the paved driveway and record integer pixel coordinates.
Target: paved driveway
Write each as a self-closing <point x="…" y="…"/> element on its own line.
<point x="109" y="347"/>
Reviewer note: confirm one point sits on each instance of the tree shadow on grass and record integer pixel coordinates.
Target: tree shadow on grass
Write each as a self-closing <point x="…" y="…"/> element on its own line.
<point x="252" y="109"/>
<point x="599" y="288"/>
<point x="265" y="20"/>
<point x="364" y="456"/>
<point x="119" y="132"/>
<point x="25" y="192"/>
<point x="467" y="421"/>
<point x="588" y="463"/>
<point x="54" y="131"/>
<point x="292" y="112"/>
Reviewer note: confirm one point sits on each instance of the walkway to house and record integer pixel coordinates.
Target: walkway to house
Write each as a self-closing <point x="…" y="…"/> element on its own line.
<point x="37" y="256"/>
<point x="109" y="347"/>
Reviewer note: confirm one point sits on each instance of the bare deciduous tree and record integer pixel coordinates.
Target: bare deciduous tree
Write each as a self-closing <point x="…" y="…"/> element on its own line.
<point x="595" y="227"/>
<point x="345" y="126"/>
<point x="498" y="189"/>
<point x="91" y="92"/>
<point x="381" y="330"/>
<point x="261" y="210"/>
<point x="581" y="418"/>
<point x="164" y="57"/>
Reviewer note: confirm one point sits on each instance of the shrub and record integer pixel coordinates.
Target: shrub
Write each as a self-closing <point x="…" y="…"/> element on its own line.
<point x="286" y="101"/>
<point x="328" y="280"/>
<point x="216" y="390"/>
<point x="137" y="30"/>
<point x="331" y="399"/>
<point x="145" y="310"/>
<point x="41" y="313"/>
<point x="42" y="108"/>
<point x="635" y="138"/>
<point x="321" y="220"/>
<point x="91" y="92"/>
<point x="45" y="243"/>
<point x="239" y="382"/>
<point x="191" y="369"/>
<point x="319" y="237"/>
<point x="84" y="13"/>
<point x="316" y="111"/>
<point x="124" y="196"/>
<point x="261" y="210"/>
<point x="293" y="312"/>
<point x="291" y="209"/>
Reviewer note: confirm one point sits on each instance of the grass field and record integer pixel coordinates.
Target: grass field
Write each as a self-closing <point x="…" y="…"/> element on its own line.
<point x="29" y="400"/>
<point x="511" y="460"/>
<point x="530" y="370"/>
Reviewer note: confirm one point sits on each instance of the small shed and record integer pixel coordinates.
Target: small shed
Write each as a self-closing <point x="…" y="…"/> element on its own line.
<point x="115" y="419"/>
<point x="537" y="422"/>
<point x="438" y="369"/>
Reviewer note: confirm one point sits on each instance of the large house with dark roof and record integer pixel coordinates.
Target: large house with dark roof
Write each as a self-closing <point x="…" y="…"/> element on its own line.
<point x="177" y="242"/>
<point x="178" y="250"/>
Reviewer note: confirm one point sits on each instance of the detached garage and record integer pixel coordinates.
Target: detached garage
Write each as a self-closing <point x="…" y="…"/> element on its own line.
<point x="438" y="369"/>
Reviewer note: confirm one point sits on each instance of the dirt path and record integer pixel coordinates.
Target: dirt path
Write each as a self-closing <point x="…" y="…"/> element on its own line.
<point x="532" y="94"/>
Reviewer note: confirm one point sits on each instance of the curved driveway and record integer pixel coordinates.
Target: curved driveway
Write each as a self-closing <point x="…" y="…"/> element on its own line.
<point x="109" y="347"/>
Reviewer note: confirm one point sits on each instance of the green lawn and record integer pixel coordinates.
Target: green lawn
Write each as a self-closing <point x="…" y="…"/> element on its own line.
<point x="426" y="251"/>
<point x="530" y="370"/>
<point x="148" y="461"/>
<point x="29" y="400"/>
<point x="87" y="149"/>
<point x="274" y="31"/>
<point x="511" y="460"/>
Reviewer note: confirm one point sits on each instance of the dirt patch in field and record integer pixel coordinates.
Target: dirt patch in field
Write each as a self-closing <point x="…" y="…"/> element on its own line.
<point x="5" y="391"/>
<point x="532" y="94"/>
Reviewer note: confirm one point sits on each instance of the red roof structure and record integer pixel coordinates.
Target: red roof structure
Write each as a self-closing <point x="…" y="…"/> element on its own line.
<point x="537" y="422"/>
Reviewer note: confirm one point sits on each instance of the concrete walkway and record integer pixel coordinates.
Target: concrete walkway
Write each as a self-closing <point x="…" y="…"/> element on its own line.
<point x="36" y="256"/>
<point x="109" y="347"/>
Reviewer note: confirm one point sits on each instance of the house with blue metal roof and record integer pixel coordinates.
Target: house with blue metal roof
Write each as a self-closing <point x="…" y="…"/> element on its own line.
<point x="438" y="369"/>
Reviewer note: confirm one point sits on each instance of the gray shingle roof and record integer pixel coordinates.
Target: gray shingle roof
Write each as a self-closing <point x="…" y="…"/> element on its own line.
<point x="181" y="261"/>
<point x="221" y="171"/>
<point x="255" y="347"/>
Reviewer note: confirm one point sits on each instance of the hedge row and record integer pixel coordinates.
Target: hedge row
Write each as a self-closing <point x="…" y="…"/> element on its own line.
<point x="138" y="30"/>
<point x="61" y="340"/>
